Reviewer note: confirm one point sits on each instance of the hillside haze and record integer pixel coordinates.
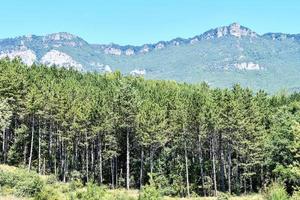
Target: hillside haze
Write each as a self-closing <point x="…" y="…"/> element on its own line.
<point x="222" y="57"/>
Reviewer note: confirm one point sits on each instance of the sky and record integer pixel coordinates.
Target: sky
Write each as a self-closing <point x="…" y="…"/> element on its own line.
<point x="143" y="21"/>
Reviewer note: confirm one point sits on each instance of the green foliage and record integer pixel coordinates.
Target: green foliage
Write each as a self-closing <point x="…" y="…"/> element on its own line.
<point x="150" y="191"/>
<point x="51" y="179"/>
<point x="276" y="191"/>
<point x="222" y="196"/>
<point x="48" y="193"/>
<point x="190" y="136"/>
<point x="92" y="192"/>
<point x="22" y="182"/>
<point x="296" y="195"/>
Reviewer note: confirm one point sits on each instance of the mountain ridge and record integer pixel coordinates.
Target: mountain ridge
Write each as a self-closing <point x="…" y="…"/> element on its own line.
<point x="234" y="29"/>
<point x="220" y="56"/>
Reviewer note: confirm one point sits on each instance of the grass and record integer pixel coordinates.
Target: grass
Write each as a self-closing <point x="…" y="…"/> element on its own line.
<point x="63" y="189"/>
<point x="132" y="194"/>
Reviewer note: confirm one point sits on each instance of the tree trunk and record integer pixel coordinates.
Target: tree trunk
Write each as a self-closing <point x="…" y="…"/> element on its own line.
<point x="50" y="147"/>
<point x="100" y="161"/>
<point x="262" y="181"/>
<point x="116" y="171"/>
<point x="201" y="164"/>
<point x="87" y="157"/>
<point x="44" y="166"/>
<point x="55" y="153"/>
<point x="39" y="156"/>
<point x="214" y="166"/>
<point x="151" y="160"/>
<point x="66" y="164"/>
<point x="127" y="160"/>
<point x="141" y="168"/>
<point x="221" y="154"/>
<point x="62" y="160"/>
<point x="229" y="169"/>
<point x="92" y="160"/>
<point x="76" y="153"/>
<point x="186" y="171"/>
<point x="31" y="144"/>
<point x="25" y="154"/>
<point x="112" y="173"/>
<point x="4" y="146"/>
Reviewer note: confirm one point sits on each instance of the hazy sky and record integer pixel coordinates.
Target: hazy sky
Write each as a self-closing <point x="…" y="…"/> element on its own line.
<point x="143" y="21"/>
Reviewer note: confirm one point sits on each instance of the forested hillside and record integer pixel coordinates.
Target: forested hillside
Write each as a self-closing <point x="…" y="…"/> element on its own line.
<point x="115" y="130"/>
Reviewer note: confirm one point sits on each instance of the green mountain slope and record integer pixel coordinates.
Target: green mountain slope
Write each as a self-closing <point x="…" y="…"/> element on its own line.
<point x="221" y="57"/>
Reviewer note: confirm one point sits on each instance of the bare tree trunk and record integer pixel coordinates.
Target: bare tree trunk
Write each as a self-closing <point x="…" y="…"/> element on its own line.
<point x="214" y="166"/>
<point x="50" y="147"/>
<point x="221" y="154"/>
<point x="229" y="169"/>
<point x="186" y="171"/>
<point x="262" y="181"/>
<point x="31" y="145"/>
<point x="87" y="157"/>
<point x="151" y="160"/>
<point x="39" y="149"/>
<point x="201" y="164"/>
<point x="127" y="160"/>
<point x="25" y="154"/>
<point x="76" y="153"/>
<point x="116" y="173"/>
<point x="62" y="157"/>
<point x="55" y="153"/>
<point x="66" y="164"/>
<point x="4" y="145"/>
<point x="141" y="168"/>
<point x="100" y="161"/>
<point x="44" y="166"/>
<point x="92" y="161"/>
<point x="112" y="173"/>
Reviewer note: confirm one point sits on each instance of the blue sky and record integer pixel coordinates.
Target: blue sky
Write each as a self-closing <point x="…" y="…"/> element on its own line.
<point x="144" y="21"/>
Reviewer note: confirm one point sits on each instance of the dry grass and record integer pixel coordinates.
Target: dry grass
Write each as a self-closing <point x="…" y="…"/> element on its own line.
<point x="61" y="188"/>
<point x="248" y="197"/>
<point x="134" y="194"/>
<point x="12" y="198"/>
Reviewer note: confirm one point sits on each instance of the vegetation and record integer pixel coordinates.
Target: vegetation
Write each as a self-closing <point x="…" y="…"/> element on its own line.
<point x="112" y="130"/>
<point x="276" y="192"/>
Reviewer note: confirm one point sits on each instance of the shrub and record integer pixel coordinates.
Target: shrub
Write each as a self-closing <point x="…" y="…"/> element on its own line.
<point x="93" y="192"/>
<point x="51" y="179"/>
<point x="150" y="192"/>
<point x="276" y="191"/>
<point x="22" y="182"/>
<point x="48" y="193"/>
<point x="29" y="185"/>
<point x="121" y="196"/>
<point x="8" y="178"/>
<point x="75" y="184"/>
<point x="222" y="196"/>
<point x="296" y="195"/>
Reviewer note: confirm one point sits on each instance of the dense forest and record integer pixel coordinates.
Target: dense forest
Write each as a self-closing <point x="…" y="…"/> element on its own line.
<point x="116" y="130"/>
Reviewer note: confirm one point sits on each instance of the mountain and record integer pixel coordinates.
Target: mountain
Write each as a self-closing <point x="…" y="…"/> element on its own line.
<point x="221" y="57"/>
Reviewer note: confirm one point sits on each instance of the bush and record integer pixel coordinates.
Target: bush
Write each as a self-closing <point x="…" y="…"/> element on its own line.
<point x="296" y="195"/>
<point x="121" y="196"/>
<point x="93" y="192"/>
<point x="75" y="184"/>
<point x="48" y="193"/>
<point x="222" y="196"/>
<point x="150" y="192"/>
<point x="22" y="182"/>
<point x="51" y="179"/>
<point x="276" y="191"/>
<point x="29" y="185"/>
